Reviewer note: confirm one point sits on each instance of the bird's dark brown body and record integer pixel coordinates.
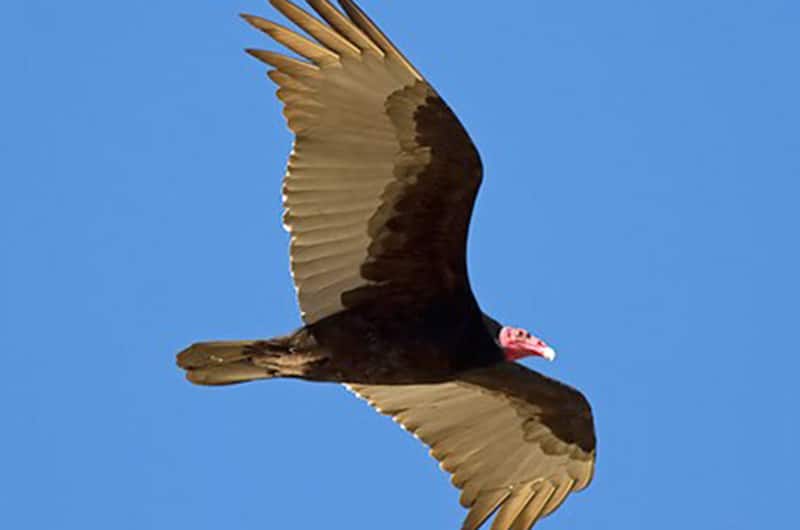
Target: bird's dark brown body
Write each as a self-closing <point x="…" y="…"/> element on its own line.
<point x="364" y="346"/>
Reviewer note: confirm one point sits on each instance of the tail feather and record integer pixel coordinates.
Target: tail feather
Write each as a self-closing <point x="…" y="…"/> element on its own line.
<point x="228" y="362"/>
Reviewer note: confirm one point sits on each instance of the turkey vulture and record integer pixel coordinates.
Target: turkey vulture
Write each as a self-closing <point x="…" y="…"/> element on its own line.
<point x="378" y="196"/>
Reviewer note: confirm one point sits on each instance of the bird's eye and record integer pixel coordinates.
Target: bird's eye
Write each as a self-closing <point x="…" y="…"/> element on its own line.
<point x="520" y="333"/>
<point x="527" y="335"/>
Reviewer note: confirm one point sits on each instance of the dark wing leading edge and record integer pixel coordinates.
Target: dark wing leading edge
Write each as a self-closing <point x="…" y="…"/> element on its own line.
<point x="513" y="439"/>
<point x="382" y="179"/>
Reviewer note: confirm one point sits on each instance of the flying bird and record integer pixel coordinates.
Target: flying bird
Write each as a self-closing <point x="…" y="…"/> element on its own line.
<point x="377" y="198"/>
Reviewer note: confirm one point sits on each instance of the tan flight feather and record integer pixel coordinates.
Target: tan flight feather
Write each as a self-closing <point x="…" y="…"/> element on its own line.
<point x="345" y="26"/>
<point x="370" y="28"/>
<point x="316" y="29"/>
<point x="484" y="508"/>
<point x="320" y="55"/>
<point x="288" y="65"/>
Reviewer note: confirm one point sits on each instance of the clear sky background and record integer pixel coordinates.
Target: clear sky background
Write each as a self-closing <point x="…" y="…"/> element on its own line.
<point x="639" y="212"/>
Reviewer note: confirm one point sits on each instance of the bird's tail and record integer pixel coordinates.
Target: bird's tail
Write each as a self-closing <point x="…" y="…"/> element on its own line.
<point x="231" y="362"/>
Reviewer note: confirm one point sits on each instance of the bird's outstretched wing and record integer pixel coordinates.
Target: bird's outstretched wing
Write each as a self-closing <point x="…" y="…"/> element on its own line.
<point x="381" y="182"/>
<point x="513" y="439"/>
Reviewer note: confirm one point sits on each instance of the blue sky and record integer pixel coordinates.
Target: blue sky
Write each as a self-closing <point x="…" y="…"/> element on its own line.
<point x="639" y="211"/>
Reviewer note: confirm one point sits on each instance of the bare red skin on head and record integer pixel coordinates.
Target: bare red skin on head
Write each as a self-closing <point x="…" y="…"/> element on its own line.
<point x="518" y="343"/>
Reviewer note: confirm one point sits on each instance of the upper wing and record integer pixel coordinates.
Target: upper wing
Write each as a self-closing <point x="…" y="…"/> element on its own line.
<point x="382" y="179"/>
<point x="511" y="437"/>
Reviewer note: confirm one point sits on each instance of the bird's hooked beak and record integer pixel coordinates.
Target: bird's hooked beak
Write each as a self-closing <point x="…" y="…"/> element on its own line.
<point x="518" y="343"/>
<point x="548" y="353"/>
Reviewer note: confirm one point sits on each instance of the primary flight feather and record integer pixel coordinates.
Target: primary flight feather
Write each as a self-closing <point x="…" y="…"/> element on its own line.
<point x="377" y="197"/>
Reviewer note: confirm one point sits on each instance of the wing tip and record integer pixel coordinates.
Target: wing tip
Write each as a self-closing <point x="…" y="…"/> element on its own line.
<point x="253" y="20"/>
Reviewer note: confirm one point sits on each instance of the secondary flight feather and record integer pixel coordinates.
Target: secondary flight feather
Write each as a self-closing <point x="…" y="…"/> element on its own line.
<point x="378" y="196"/>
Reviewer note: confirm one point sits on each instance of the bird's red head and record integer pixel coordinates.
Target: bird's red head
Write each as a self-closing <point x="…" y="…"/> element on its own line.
<point x="518" y="343"/>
